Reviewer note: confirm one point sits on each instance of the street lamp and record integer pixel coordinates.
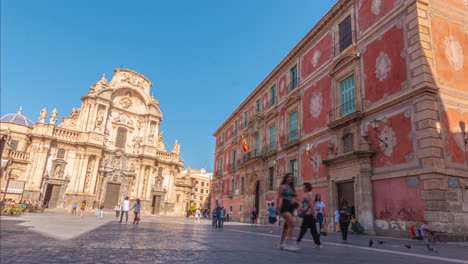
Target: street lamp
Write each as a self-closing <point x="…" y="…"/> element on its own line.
<point x="375" y="123"/>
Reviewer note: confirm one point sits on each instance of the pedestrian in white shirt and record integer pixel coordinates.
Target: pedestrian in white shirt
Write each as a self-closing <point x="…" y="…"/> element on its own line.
<point x="319" y="205"/>
<point x="125" y="209"/>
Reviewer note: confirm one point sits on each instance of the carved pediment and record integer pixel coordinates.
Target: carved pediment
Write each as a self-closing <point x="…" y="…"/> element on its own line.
<point x="292" y="100"/>
<point x="344" y="61"/>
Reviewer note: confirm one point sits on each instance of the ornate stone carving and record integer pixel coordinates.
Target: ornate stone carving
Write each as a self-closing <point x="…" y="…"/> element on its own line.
<point x="53" y="116"/>
<point x="375" y="8"/>
<point x="176" y="148"/>
<point x="100" y="85"/>
<point x="315" y="58"/>
<point x="161" y="144"/>
<point x="75" y="113"/>
<point x="316" y="104"/>
<point x="383" y="66"/>
<point x="99" y="119"/>
<point x="454" y="52"/>
<point x="43" y="115"/>
<point x="58" y="171"/>
<point x="126" y="101"/>
<point x="133" y="79"/>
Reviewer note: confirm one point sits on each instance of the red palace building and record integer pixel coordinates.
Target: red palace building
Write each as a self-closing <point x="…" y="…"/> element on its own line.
<point x="370" y="106"/>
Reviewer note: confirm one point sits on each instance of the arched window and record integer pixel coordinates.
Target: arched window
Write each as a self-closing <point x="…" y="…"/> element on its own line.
<point x="348" y="143"/>
<point x="121" y="138"/>
<point x="61" y="154"/>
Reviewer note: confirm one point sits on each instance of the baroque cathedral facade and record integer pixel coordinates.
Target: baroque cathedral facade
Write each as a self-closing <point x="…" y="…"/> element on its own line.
<point x="109" y="148"/>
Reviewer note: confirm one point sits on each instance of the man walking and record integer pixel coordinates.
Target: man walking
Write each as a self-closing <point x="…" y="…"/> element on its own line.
<point x="125" y="209"/>
<point x="214" y="218"/>
<point x="222" y="215"/>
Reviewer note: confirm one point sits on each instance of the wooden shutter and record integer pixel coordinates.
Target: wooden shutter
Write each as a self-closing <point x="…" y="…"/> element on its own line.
<point x="293" y="126"/>
<point x="348" y="105"/>
<point x="346" y="35"/>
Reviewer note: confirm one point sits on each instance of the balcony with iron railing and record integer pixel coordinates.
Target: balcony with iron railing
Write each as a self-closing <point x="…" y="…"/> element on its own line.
<point x="270" y="148"/>
<point x="292" y="85"/>
<point x="232" y="166"/>
<point x="292" y="135"/>
<point x="272" y="102"/>
<point x="344" y="43"/>
<point x="343" y="113"/>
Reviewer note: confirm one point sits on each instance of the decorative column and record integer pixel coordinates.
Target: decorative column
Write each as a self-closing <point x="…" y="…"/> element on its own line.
<point x="364" y="199"/>
<point x="149" y="184"/>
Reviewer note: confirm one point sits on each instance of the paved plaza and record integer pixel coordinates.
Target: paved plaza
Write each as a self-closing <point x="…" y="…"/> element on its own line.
<point x="63" y="238"/>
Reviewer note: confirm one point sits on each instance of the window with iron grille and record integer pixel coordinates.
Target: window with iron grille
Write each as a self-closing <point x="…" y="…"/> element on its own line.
<point x="346" y="34"/>
<point x="14" y="144"/>
<point x="347" y="96"/>
<point x="242" y="185"/>
<point x="294" y="77"/>
<point x="293" y="135"/>
<point x="272" y="145"/>
<point x="61" y="154"/>
<point x="273" y="96"/>
<point x="348" y="143"/>
<point x="121" y="138"/>
<point x="257" y="145"/>
<point x="246" y="118"/>
<point x="293" y="166"/>
<point x="271" y="178"/>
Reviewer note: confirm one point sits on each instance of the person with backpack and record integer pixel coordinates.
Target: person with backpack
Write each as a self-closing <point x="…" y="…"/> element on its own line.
<point x="308" y="216"/>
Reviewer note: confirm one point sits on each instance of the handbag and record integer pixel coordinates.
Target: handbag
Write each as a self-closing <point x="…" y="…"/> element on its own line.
<point x="302" y="213"/>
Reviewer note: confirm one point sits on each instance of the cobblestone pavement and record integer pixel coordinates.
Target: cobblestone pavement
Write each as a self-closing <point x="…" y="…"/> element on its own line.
<point x="28" y="239"/>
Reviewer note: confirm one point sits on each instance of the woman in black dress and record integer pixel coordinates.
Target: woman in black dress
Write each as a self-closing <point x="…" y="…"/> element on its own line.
<point x="345" y="217"/>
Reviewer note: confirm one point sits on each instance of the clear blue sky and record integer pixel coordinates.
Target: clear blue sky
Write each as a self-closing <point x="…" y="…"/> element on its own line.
<point x="203" y="57"/>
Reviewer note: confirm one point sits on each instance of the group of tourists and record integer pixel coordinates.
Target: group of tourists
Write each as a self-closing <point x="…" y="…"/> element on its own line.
<point x="310" y="209"/>
<point x="218" y="216"/>
<point x="120" y="210"/>
<point x="123" y="209"/>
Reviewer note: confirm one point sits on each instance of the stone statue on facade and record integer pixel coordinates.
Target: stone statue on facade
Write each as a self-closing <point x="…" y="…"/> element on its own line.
<point x="176" y="148"/>
<point x="99" y="119"/>
<point x="100" y="85"/>
<point x="53" y="116"/>
<point x="43" y="115"/>
<point x="161" y="144"/>
<point x="58" y="171"/>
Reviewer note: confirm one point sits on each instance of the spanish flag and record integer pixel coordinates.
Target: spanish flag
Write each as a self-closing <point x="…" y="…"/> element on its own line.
<point x="245" y="146"/>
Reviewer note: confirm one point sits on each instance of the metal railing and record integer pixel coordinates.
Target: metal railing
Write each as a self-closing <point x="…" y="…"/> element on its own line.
<point x="345" y="109"/>
<point x="292" y="135"/>
<point x="272" y="146"/>
<point x="272" y="102"/>
<point x="292" y="86"/>
<point x="345" y="43"/>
